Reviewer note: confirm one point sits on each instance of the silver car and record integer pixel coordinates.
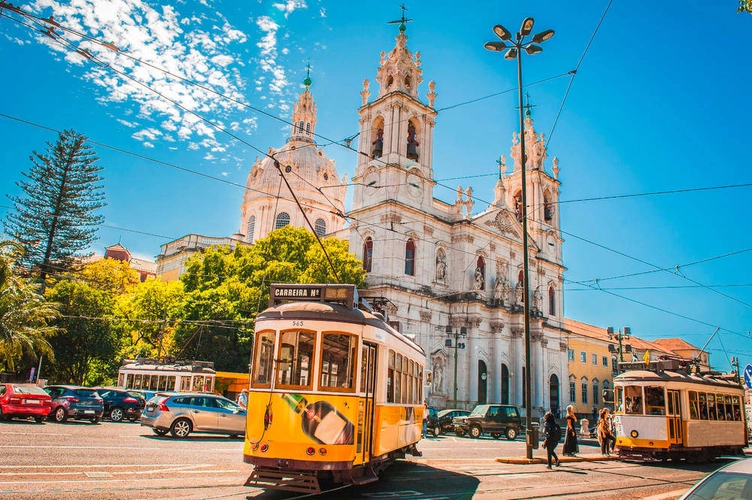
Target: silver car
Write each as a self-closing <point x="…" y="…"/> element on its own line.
<point x="183" y="413"/>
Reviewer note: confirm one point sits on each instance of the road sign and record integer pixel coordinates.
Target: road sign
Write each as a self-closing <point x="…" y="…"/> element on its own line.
<point x="748" y="376"/>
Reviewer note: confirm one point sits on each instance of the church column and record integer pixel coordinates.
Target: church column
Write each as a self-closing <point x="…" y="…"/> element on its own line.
<point x="494" y="372"/>
<point x="394" y="143"/>
<point x="540" y="372"/>
<point x="516" y="364"/>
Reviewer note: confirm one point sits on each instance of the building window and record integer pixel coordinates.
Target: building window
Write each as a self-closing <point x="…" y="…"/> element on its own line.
<point x="570" y="354"/>
<point x="320" y="227"/>
<point x="583" y="357"/>
<point x="410" y="258"/>
<point x="584" y="388"/>
<point x="572" y="389"/>
<point x="548" y="208"/>
<point x="367" y="254"/>
<point x="551" y="301"/>
<point x="595" y="392"/>
<point x="595" y="359"/>
<point x="283" y="219"/>
<point x="605" y="361"/>
<point x="250" y="228"/>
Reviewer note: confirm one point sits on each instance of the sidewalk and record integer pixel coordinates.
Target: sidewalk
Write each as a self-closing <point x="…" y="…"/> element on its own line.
<point x="588" y="453"/>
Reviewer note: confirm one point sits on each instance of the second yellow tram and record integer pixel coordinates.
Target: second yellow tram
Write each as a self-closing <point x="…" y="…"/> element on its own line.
<point x="335" y="392"/>
<point x="663" y="412"/>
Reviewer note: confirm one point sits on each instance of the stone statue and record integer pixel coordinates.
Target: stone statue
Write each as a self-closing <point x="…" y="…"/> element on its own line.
<point x="518" y="293"/>
<point x="438" y="378"/>
<point x="501" y="290"/>
<point x="536" y="302"/>
<point x="479" y="280"/>
<point x="441" y="267"/>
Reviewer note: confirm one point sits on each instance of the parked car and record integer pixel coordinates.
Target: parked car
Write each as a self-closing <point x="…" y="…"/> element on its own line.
<point x="183" y="413"/>
<point x="23" y="401"/>
<point x="120" y="404"/>
<point x="75" y="402"/>
<point x="729" y="482"/>
<point x="443" y="421"/>
<point x="494" y="419"/>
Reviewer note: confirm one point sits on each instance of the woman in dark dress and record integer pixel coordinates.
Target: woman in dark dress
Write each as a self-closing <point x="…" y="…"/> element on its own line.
<point x="552" y="433"/>
<point x="570" y="440"/>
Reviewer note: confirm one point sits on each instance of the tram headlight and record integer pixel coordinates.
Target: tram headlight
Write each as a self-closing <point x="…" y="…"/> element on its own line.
<point x="322" y="451"/>
<point x="310" y="450"/>
<point x="634" y="434"/>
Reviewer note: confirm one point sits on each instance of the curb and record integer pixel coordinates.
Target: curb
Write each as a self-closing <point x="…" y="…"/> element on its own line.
<point x="543" y="460"/>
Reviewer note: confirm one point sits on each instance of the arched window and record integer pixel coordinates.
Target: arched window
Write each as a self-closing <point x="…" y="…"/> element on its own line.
<point x="584" y="384"/>
<point x="480" y="274"/>
<point x="551" y="301"/>
<point x="595" y="392"/>
<point x="410" y="258"/>
<point x="548" y="208"/>
<point x="308" y="129"/>
<point x="572" y="389"/>
<point x="283" y="219"/>
<point x="367" y="254"/>
<point x="320" y="227"/>
<point x="300" y="127"/>
<point x="482" y="382"/>
<point x="553" y="391"/>
<point x="250" y="228"/>
<point x="504" y="384"/>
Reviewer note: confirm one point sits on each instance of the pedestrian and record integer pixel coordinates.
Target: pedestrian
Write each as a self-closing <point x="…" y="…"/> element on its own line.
<point x="605" y="434"/>
<point x="243" y="399"/>
<point x="552" y="431"/>
<point x="426" y="414"/>
<point x="570" y="439"/>
<point x="595" y="416"/>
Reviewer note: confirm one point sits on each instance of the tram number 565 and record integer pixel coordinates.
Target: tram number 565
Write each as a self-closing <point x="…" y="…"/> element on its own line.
<point x="297" y="323"/>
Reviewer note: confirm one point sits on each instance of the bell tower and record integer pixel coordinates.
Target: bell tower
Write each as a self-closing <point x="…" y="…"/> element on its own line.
<point x="304" y="114"/>
<point x="396" y="131"/>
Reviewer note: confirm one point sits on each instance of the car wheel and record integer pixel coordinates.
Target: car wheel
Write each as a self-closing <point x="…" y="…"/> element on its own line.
<point x="39" y="420"/>
<point x="181" y="428"/>
<point x="436" y="431"/>
<point x="496" y="435"/>
<point x="60" y="415"/>
<point x="116" y="414"/>
<point x="511" y="433"/>
<point x="159" y="432"/>
<point x="96" y="420"/>
<point x="475" y="432"/>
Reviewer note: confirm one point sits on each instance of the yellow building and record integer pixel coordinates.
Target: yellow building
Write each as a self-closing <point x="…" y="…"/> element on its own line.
<point x="591" y="367"/>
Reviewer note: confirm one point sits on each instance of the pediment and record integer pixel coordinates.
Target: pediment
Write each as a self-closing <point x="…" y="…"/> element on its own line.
<point x="505" y="223"/>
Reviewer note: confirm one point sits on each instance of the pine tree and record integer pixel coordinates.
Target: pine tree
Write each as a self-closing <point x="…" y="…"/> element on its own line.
<point x="56" y="217"/>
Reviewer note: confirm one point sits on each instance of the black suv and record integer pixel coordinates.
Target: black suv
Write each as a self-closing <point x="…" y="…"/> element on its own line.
<point x="76" y="402"/>
<point x="443" y="421"/>
<point x="494" y="419"/>
<point x="120" y="404"/>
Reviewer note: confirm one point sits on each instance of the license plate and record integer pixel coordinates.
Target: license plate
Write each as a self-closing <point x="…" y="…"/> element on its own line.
<point x="87" y="412"/>
<point x="32" y="401"/>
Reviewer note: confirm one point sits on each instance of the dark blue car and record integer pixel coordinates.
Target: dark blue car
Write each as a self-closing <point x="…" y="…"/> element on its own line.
<point x="81" y="403"/>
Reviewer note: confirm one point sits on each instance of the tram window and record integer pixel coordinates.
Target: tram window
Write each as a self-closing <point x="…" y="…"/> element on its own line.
<point x="337" y="361"/>
<point x="398" y="378"/>
<point x="185" y="384"/>
<point x="390" y="379"/>
<point x="633" y="399"/>
<point x="363" y="368"/>
<point x="619" y="399"/>
<point x="296" y="359"/>
<point x="702" y="398"/>
<point x="720" y="407"/>
<point x="263" y="357"/>
<point x="693" y="410"/>
<point x="737" y="412"/>
<point x="655" y="400"/>
<point x="711" y="407"/>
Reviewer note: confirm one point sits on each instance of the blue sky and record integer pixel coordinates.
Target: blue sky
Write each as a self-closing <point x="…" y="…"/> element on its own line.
<point x="659" y="103"/>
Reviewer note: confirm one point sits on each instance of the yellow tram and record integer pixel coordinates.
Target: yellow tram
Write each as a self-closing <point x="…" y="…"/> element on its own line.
<point x="335" y="392"/>
<point x="662" y="412"/>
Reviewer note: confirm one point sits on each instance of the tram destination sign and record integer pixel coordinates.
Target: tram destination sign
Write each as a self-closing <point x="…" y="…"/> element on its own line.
<point x="283" y="292"/>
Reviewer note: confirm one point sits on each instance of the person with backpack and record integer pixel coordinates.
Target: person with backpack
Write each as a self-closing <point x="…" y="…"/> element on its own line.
<point x="552" y="432"/>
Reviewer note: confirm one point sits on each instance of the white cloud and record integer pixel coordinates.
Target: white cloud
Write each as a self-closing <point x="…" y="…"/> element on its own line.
<point x="126" y="123"/>
<point x="290" y="6"/>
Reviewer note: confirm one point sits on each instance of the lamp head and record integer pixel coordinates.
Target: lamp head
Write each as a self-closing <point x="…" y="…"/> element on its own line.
<point x="527" y="26"/>
<point x="533" y="49"/>
<point x="463" y="331"/>
<point x="495" y="46"/>
<point x="448" y="329"/>
<point x="627" y="331"/>
<point x="511" y="54"/>
<point x="502" y="32"/>
<point x="543" y="36"/>
<point x="610" y="330"/>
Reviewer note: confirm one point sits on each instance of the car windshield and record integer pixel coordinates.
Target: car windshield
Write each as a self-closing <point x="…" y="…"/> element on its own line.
<point x="723" y="485"/>
<point x="28" y="389"/>
<point x="480" y="410"/>
<point x="444" y="412"/>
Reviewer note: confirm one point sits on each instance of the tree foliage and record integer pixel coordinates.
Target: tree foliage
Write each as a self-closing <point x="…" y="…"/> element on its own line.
<point x="226" y="289"/>
<point x="56" y="218"/>
<point x="25" y="315"/>
<point x="745" y="6"/>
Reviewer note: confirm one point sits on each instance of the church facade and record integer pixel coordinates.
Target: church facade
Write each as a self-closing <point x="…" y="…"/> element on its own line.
<point x="447" y="277"/>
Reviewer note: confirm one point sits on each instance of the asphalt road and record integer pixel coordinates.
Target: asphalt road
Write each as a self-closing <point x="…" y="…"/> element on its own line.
<point x="80" y="460"/>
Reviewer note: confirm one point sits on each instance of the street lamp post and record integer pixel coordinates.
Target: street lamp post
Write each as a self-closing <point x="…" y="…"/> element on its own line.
<point x="456" y="334"/>
<point x="622" y="335"/>
<point x="514" y="51"/>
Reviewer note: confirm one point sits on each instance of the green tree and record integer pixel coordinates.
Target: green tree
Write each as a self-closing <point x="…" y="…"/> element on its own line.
<point x="56" y="218"/>
<point x="86" y="344"/>
<point x="226" y="289"/>
<point x="745" y="6"/>
<point x="25" y="315"/>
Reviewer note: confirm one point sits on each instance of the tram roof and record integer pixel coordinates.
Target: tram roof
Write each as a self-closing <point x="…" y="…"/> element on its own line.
<point x="325" y="311"/>
<point x="673" y="376"/>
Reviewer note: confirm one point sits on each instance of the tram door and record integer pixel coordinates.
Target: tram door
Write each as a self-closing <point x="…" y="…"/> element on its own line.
<point x="675" y="432"/>
<point x="366" y="408"/>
